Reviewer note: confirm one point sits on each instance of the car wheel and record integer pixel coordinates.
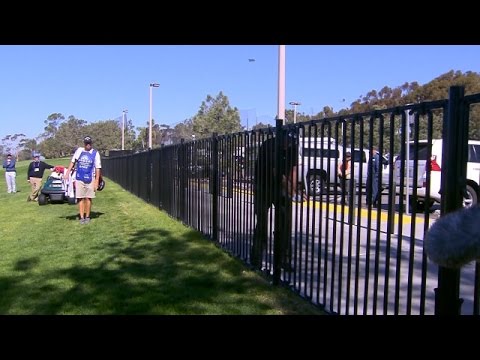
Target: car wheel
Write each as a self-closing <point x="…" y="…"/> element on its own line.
<point x="42" y="199"/>
<point x="472" y="198"/>
<point x="72" y="200"/>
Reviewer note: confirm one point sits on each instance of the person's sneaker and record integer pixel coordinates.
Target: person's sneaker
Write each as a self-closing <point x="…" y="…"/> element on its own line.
<point x="82" y="221"/>
<point x="86" y="220"/>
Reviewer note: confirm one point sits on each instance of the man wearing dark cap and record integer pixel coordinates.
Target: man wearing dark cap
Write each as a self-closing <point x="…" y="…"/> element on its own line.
<point x="88" y="167"/>
<point x="35" y="174"/>
<point x="265" y="176"/>
<point x="374" y="171"/>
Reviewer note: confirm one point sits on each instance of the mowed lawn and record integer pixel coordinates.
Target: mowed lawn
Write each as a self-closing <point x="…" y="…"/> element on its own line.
<point x="131" y="259"/>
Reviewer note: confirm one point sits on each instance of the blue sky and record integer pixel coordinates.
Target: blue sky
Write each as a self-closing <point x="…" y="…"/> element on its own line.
<point x="97" y="82"/>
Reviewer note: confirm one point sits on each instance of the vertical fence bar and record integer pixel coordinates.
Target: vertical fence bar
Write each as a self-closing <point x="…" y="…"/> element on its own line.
<point x="214" y="187"/>
<point x="277" y="235"/>
<point x="454" y="168"/>
<point x="391" y="178"/>
<point x="182" y="167"/>
<point x="149" y="175"/>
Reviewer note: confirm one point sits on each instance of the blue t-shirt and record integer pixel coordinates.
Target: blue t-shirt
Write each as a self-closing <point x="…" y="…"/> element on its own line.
<point x="86" y="166"/>
<point x="9" y="165"/>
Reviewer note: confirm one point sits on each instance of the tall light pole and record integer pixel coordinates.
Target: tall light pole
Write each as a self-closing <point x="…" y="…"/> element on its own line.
<point x="251" y="60"/>
<point x="281" y="83"/>
<point x="123" y="128"/>
<point x="152" y="85"/>
<point x="295" y="103"/>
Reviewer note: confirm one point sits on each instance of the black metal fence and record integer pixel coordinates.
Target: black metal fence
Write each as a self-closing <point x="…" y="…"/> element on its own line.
<point x="331" y="246"/>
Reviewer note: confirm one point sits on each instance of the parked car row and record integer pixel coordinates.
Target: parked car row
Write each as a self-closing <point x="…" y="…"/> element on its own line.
<point x="319" y="158"/>
<point x="318" y="161"/>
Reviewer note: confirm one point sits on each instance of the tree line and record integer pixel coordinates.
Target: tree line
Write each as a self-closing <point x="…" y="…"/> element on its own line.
<point x="62" y="135"/>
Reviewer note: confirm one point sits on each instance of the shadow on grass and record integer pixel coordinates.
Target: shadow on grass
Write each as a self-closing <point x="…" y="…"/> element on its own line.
<point x="154" y="272"/>
<point x="26" y="264"/>
<point x="93" y="215"/>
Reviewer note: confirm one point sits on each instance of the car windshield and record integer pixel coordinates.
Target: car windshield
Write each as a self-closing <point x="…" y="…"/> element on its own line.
<point x="359" y="156"/>
<point x="422" y="152"/>
<point x="320" y="153"/>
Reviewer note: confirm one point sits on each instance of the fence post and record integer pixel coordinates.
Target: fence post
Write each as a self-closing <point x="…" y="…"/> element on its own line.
<point x="182" y="169"/>
<point x="229" y="184"/>
<point x="393" y="196"/>
<point x="214" y="187"/>
<point x="149" y="176"/>
<point x="352" y="200"/>
<point x="454" y="168"/>
<point x="277" y="189"/>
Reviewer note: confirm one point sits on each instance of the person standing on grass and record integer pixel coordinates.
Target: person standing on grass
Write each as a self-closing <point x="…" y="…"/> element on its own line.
<point x="35" y="174"/>
<point x="10" y="174"/>
<point x="88" y="170"/>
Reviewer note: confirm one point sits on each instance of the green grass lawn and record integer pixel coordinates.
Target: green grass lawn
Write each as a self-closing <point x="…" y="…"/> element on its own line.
<point x="131" y="259"/>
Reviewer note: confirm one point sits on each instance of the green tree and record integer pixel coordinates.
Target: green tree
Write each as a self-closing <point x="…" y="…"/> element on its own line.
<point x="69" y="135"/>
<point x="143" y="138"/>
<point x="50" y="148"/>
<point x="141" y="142"/>
<point x="216" y="115"/>
<point x="129" y="135"/>
<point x="156" y="135"/>
<point x="438" y="89"/>
<point x="27" y="146"/>
<point x="260" y="125"/>
<point x="184" y="131"/>
<point x="163" y="134"/>
<point x="52" y="123"/>
<point x="13" y="143"/>
<point x="411" y="93"/>
<point x="106" y="135"/>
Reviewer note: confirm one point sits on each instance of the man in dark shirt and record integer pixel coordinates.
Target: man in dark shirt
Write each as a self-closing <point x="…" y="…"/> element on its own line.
<point x="35" y="174"/>
<point x="265" y="176"/>
<point x="374" y="170"/>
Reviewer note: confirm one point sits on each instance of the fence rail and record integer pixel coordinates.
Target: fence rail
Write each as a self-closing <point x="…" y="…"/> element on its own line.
<point x="333" y="247"/>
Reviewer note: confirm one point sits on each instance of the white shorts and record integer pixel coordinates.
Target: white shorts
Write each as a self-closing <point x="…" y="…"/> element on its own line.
<point x="84" y="190"/>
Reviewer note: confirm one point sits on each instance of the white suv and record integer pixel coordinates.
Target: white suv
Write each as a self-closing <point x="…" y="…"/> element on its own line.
<point x="420" y="160"/>
<point x="318" y="161"/>
<point x="473" y="174"/>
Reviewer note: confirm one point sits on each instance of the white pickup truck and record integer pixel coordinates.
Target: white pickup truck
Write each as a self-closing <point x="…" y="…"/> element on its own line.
<point x="318" y="162"/>
<point x="473" y="172"/>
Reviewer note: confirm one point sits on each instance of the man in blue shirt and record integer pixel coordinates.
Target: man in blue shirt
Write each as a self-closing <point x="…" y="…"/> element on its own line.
<point x="10" y="174"/>
<point x="374" y="170"/>
<point x="88" y="167"/>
